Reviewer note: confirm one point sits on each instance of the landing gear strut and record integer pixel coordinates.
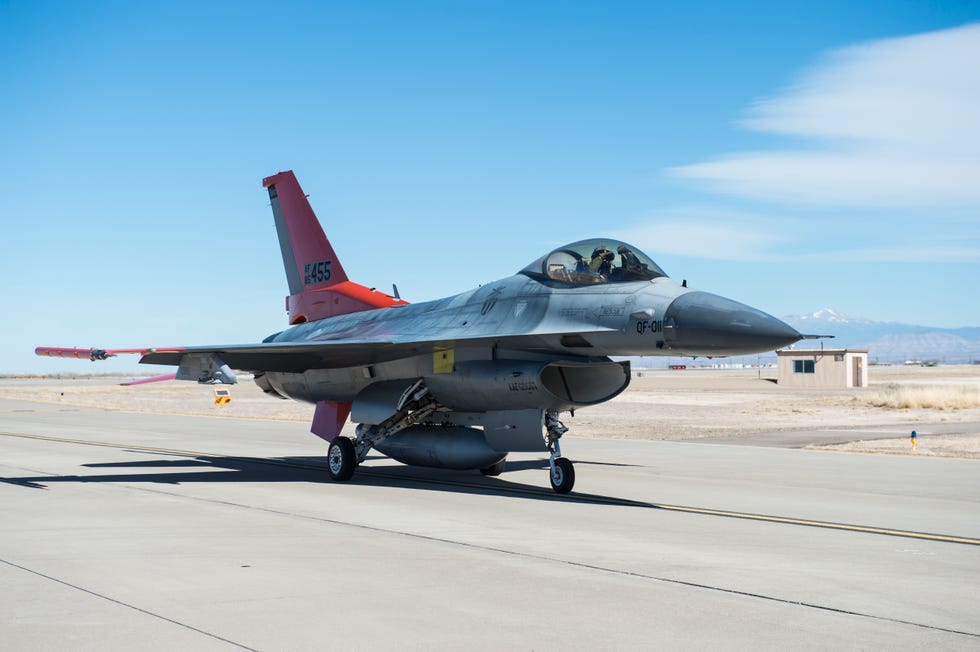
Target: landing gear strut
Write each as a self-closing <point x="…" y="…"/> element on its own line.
<point x="345" y="454"/>
<point x="562" y="470"/>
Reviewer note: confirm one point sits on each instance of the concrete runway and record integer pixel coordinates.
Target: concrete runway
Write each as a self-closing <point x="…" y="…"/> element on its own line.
<point x="123" y="531"/>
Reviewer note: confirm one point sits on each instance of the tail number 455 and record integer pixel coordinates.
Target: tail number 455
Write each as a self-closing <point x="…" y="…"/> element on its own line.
<point x="317" y="272"/>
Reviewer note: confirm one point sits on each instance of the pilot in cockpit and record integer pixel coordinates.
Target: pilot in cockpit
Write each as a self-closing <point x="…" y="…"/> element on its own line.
<point x="630" y="262"/>
<point x="594" y="261"/>
<point x="632" y="268"/>
<point x="602" y="258"/>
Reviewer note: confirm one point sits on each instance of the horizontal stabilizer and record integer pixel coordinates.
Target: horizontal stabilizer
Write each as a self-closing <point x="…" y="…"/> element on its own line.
<point x="144" y="381"/>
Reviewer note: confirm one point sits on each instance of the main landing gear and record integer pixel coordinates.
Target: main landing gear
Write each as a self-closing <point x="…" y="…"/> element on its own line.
<point x="345" y="454"/>
<point x="341" y="459"/>
<point x="562" y="470"/>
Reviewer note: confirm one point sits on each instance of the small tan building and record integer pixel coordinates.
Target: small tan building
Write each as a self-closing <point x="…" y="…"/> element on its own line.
<point x="826" y="368"/>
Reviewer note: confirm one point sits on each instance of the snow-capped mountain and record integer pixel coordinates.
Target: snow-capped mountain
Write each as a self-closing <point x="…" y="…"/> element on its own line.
<point x="889" y="341"/>
<point x="829" y="315"/>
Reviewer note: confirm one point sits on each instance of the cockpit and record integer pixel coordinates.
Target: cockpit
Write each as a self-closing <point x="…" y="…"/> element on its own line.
<point x="593" y="262"/>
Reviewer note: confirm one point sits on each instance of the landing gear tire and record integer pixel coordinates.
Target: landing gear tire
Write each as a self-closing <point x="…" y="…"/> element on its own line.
<point x="341" y="459"/>
<point x="562" y="475"/>
<point x="495" y="469"/>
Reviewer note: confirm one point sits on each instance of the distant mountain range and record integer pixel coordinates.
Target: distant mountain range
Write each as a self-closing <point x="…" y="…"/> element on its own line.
<point x="889" y="342"/>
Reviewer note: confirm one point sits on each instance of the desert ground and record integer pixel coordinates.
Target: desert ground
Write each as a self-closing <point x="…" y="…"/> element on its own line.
<point x="941" y="403"/>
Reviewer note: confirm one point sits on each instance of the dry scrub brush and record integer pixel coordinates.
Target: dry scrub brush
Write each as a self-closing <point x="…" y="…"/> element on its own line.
<point x="949" y="397"/>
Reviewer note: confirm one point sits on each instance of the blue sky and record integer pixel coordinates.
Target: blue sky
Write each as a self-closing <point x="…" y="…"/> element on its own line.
<point x="793" y="156"/>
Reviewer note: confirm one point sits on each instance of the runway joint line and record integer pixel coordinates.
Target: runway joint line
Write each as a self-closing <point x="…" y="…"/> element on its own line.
<point x="102" y="596"/>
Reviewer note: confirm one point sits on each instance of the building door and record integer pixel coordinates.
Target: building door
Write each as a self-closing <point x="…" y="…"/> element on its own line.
<point x="858" y="376"/>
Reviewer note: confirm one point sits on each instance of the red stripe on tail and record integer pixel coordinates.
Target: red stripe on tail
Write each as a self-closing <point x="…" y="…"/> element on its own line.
<point x="318" y="284"/>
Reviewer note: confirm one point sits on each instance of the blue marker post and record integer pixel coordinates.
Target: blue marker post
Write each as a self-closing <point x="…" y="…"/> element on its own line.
<point x="913" y="438"/>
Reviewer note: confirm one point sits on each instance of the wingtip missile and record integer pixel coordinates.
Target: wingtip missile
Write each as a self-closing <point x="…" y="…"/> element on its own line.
<point x="61" y="352"/>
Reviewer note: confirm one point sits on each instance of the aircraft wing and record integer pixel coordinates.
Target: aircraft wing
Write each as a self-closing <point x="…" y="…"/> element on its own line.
<point x="297" y="357"/>
<point x="288" y="357"/>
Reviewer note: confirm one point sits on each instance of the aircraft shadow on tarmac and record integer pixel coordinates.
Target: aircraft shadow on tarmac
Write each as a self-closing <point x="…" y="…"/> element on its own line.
<point x="208" y="469"/>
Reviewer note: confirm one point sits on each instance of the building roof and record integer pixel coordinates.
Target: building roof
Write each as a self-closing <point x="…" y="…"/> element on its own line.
<point x="811" y="352"/>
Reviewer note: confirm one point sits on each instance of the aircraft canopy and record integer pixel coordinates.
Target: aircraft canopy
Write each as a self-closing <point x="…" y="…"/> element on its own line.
<point x="592" y="262"/>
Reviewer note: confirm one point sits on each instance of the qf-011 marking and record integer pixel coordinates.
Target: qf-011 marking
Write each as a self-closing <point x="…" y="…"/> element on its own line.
<point x="317" y="272"/>
<point x="650" y="326"/>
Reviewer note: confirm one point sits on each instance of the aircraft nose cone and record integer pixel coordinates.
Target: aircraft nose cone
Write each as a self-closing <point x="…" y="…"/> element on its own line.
<point x="700" y="323"/>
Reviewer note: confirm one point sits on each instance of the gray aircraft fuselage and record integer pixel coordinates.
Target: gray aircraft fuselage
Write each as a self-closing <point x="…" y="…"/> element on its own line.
<point x="522" y="319"/>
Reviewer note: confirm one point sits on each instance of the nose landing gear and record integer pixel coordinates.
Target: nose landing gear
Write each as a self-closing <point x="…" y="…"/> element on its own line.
<point x="562" y="475"/>
<point x="562" y="470"/>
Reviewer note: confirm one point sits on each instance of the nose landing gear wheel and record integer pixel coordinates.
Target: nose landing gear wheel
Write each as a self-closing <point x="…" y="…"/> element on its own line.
<point x="562" y="475"/>
<point x="341" y="459"/>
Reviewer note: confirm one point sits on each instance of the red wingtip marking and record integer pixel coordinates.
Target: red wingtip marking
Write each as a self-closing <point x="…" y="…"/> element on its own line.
<point x="96" y="354"/>
<point x="60" y="352"/>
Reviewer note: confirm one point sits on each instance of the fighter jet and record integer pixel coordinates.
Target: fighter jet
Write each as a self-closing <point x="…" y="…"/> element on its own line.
<point x="460" y="382"/>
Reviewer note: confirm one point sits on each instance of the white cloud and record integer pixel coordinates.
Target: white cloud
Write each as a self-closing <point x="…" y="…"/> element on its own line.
<point x="890" y="123"/>
<point x="707" y="233"/>
<point x="907" y="253"/>
<point x="756" y="236"/>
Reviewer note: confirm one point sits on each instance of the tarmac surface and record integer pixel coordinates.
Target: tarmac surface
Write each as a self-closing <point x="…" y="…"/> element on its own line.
<point x="139" y="531"/>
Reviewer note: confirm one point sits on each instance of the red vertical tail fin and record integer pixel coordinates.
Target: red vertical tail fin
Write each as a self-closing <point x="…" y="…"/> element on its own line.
<point x="318" y="284"/>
